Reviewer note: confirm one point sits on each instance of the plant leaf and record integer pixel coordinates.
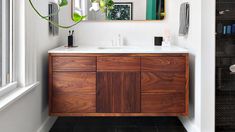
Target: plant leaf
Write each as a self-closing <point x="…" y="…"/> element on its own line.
<point x="77" y="17"/>
<point x="63" y="3"/>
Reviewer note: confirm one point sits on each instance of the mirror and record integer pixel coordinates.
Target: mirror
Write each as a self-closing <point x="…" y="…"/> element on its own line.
<point x="100" y="10"/>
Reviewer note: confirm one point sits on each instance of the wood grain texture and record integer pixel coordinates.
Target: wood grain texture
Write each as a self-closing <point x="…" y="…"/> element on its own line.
<point x="186" y="113"/>
<point x="154" y="82"/>
<point x="131" y="92"/>
<point x="69" y="101"/>
<point x="118" y="64"/>
<point x="104" y="96"/>
<point x="163" y="102"/>
<point x="74" y="63"/>
<point x="74" y="82"/>
<point x="116" y="114"/>
<point x="50" y="83"/>
<point x="164" y="64"/>
<point x="118" y="92"/>
<point x="80" y="103"/>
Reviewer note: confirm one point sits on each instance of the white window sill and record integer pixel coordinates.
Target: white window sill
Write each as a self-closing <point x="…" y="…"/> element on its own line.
<point x="15" y="95"/>
<point x="6" y="89"/>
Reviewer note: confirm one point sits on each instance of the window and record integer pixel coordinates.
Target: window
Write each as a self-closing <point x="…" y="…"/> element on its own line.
<point x="6" y="45"/>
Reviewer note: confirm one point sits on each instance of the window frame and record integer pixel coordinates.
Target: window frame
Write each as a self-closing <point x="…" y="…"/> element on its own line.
<point x="8" y="78"/>
<point x="24" y="63"/>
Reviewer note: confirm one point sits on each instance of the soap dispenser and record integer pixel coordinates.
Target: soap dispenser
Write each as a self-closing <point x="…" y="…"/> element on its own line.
<point x="166" y="38"/>
<point x="120" y="40"/>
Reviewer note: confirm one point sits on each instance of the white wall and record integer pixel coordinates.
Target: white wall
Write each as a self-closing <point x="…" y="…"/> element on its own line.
<point x="200" y="42"/>
<point x="193" y="43"/>
<point x="1" y="41"/>
<point x="208" y="65"/>
<point x="29" y="113"/>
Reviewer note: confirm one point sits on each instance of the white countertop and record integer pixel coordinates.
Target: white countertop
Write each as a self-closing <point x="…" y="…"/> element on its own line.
<point x="127" y="49"/>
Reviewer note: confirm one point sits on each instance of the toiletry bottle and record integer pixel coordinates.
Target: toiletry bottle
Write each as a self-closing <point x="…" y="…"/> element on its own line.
<point x="229" y="29"/>
<point x="70" y="39"/>
<point x="233" y="29"/>
<point x="166" y="38"/>
<point x="225" y="30"/>
<point x="120" y="40"/>
<point x="220" y="28"/>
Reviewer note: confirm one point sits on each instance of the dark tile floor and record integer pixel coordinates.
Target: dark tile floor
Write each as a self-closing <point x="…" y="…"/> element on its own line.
<point x="112" y="124"/>
<point x="225" y="111"/>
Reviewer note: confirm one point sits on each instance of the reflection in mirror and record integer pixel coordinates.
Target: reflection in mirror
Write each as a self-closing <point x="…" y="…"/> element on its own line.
<point x="100" y="10"/>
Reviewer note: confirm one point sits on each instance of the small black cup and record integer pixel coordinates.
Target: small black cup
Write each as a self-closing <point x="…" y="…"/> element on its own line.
<point x="158" y="41"/>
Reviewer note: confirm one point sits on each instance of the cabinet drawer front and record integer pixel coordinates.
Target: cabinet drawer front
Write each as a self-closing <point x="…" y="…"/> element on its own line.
<point x="163" y="103"/>
<point x="118" y="64"/>
<point x="74" y="82"/>
<point x="152" y="82"/>
<point x="85" y="103"/>
<point x="118" y="92"/>
<point x="74" y="63"/>
<point x="163" y="63"/>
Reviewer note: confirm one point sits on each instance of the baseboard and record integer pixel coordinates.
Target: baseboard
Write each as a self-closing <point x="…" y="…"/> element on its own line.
<point x="47" y="124"/>
<point x="188" y="125"/>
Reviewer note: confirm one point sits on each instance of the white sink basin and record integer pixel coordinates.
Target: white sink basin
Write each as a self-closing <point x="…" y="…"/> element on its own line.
<point x="118" y="47"/>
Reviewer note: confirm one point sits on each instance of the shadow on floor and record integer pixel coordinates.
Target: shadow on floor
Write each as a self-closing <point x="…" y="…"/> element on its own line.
<point x="114" y="124"/>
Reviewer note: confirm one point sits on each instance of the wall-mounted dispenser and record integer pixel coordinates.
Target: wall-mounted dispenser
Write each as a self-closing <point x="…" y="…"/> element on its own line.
<point x="53" y="13"/>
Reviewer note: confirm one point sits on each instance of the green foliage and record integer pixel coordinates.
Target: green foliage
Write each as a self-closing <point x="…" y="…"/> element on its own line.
<point x="106" y="5"/>
<point x="63" y="3"/>
<point x="92" y="1"/>
<point x="77" y="17"/>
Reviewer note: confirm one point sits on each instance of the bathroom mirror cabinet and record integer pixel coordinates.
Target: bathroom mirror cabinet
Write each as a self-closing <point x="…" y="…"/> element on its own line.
<point x="120" y="10"/>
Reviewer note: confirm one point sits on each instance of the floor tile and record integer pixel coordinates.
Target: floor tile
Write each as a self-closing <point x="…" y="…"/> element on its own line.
<point x="171" y="129"/>
<point x="115" y="124"/>
<point x="137" y="129"/>
<point x="92" y="128"/>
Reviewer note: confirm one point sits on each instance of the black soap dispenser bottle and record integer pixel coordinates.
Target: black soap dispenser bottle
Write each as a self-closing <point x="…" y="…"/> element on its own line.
<point x="70" y="39"/>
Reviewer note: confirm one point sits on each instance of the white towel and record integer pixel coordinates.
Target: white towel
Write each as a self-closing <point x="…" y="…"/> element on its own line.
<point x="184" y="19"/>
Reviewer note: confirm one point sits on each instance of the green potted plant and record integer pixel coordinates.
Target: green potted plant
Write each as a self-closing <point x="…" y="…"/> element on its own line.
<point x="61" y="3"/>
<point x="106" y="5"/>
<point x="102" y="5"/>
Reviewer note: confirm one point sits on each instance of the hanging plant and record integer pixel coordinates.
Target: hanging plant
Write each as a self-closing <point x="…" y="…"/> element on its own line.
<point x="104" y="5"/>
<point x="61" y="3"/>
<point x="97" y="1"/>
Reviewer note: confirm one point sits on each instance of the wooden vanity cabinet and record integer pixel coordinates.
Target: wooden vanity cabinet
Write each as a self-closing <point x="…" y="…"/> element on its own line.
<point x="118" y="84"/>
